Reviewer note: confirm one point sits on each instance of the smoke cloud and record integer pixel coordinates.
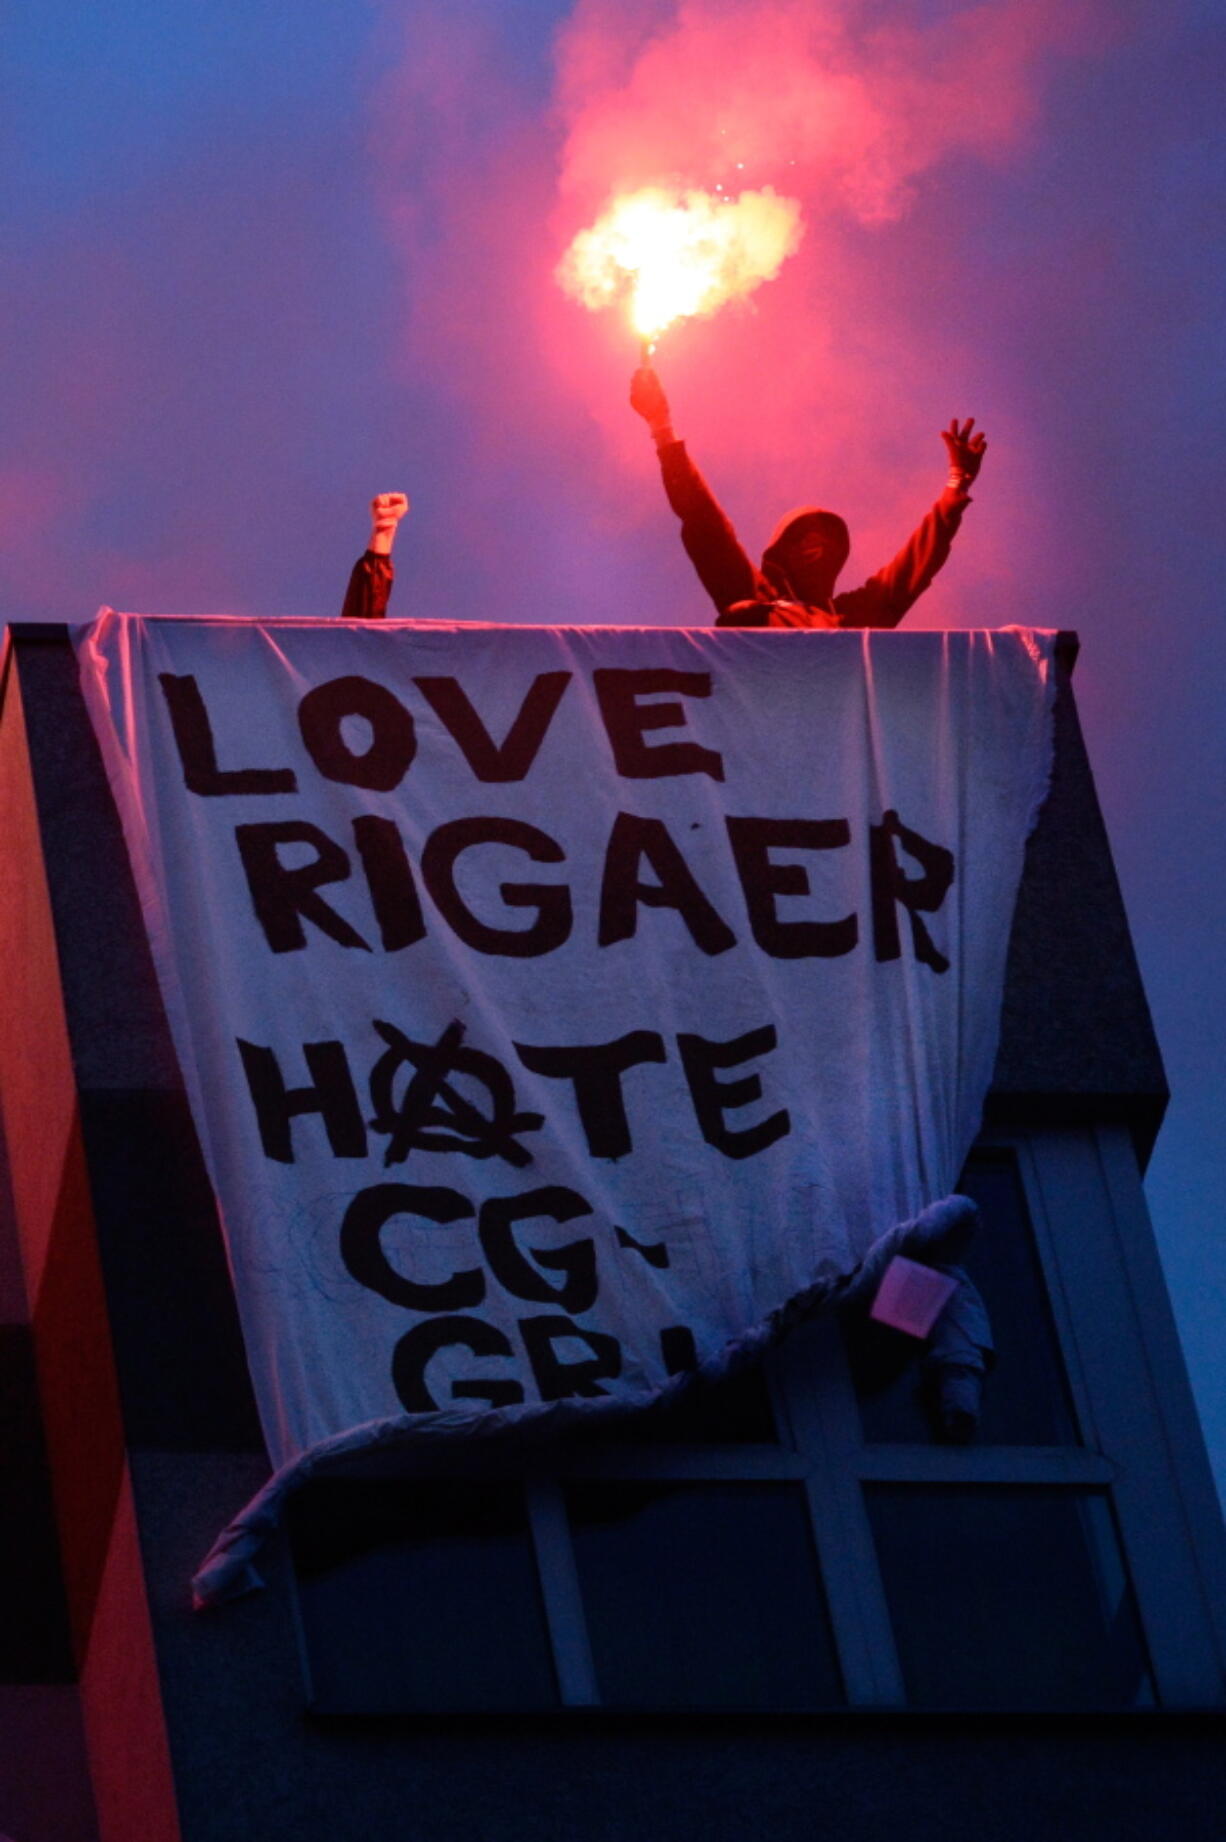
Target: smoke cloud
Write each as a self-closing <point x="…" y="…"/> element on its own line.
<point x="852" y="101"/>
<point x="829" y="382"/>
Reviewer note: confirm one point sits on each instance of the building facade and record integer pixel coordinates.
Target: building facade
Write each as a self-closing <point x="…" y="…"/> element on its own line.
<point x="782" y="1606"/>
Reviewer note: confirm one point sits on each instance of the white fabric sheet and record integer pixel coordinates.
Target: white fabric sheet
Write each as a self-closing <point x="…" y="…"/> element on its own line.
<point x="806" y="1056"/>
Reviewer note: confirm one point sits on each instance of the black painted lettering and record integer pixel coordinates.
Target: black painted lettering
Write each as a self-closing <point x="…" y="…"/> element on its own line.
<point x="626" y="721"/>
<point x="550" y="900"/>
<point x="557" y="1380"/>
<point x="285" y="896"/>
<point x="517" y="1275"/>
<point x="364" y="1256"/>
<point x="763" y="881"/>
<point x="489" y="762"/>
<point x="331" y="1094"/>
<point x="417" y="1346"/>
<point x="678" y="1349"/>
<point x="389" y="877"/>
<point x="632" y="841"/>
<point x="892" y="889"/>
<point x="393" y="742"/>
<point x="712" y="1098"/>
<point x="193" y="733"/>
<point x="596" y="1069"/>
<point x="654" y="1252"/>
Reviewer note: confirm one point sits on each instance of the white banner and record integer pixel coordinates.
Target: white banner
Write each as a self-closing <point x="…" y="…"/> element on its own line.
<point x="558" y="1004"/>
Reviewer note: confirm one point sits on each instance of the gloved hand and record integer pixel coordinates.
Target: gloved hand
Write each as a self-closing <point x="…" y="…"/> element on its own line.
<point x="648" y="399"/>
<point x="958" y="1391"/>
<point x="965" y="451"/>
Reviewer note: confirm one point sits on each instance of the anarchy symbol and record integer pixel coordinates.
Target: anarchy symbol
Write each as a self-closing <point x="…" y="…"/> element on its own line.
<point x="431" y="1102"/>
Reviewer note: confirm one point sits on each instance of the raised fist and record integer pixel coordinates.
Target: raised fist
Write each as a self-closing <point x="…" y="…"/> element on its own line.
<point x="386" y="511"/>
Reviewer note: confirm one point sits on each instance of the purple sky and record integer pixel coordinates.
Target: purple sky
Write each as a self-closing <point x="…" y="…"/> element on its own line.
<point x="260" y="262"/>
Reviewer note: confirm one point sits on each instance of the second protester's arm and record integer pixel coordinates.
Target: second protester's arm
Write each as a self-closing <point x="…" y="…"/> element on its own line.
<point x="370" y="581"/>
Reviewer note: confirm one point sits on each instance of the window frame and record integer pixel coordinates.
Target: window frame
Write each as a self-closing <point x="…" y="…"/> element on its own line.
<point x="1140" y="1446"/>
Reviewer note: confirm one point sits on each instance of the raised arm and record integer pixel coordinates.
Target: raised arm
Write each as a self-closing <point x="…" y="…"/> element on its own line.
<point x="371" y="578"/>
<point x="887" y="596"/>
<point x="710" y="541"/>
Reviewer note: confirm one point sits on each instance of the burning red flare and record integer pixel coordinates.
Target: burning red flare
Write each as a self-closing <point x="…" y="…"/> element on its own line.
<point x="672" y="254"/>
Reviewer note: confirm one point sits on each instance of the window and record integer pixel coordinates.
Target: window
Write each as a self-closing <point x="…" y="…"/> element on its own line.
<point x="420" y="1593"/>
<point x="666" y="1562"/>
<point x="786" y="1542"/>
<point x="1008" y="1597"/>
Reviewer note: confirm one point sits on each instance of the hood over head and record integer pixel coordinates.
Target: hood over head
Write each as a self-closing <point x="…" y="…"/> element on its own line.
<point x="806" y="578"/>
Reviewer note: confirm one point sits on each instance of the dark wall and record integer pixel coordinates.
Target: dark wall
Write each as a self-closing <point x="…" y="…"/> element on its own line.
<point x="1076" y="1042"/>
<point x="247" y="1761"/>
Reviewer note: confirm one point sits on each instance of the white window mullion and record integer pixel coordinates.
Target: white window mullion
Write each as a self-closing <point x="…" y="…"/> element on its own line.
<point x="1055" y="1282"/>
<point x="986" y="1464"/>
<point x="1175" y="1403"/>
<point x="559" y="1577"/>
<point x="689" y="1463"/>
<point x="826" y="1425"/>
<point x="1110" y="1339"/>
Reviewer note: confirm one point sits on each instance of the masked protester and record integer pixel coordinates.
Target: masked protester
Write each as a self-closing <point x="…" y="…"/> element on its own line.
<point x="794" y="586"/>
<point x="370" y="581"/>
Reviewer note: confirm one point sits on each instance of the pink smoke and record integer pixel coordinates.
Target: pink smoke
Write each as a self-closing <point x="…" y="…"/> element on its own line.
<point x="850" y="101"/>
<point x="832" y="381"/>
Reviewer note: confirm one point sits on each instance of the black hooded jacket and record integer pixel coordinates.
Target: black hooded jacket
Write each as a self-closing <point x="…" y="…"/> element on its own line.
<point x="748" y="596"/>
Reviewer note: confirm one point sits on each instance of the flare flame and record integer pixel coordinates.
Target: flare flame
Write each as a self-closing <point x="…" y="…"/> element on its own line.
<point x="673" y="254"/>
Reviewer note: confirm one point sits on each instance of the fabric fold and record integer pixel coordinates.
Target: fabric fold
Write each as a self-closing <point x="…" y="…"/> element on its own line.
<point x="962" y="1334"/>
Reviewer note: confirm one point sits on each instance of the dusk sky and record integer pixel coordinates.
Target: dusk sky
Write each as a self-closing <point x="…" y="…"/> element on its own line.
<point x="261" y="261"/>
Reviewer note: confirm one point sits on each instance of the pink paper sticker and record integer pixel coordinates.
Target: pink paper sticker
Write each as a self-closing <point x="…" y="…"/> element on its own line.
<point x="911" y="1297"/>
